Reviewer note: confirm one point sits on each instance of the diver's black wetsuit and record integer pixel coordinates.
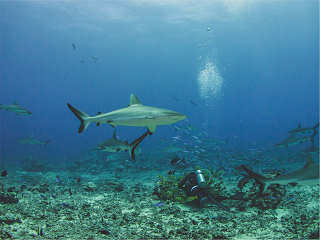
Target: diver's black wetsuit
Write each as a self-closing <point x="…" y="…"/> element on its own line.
<point x="190" y="185"/>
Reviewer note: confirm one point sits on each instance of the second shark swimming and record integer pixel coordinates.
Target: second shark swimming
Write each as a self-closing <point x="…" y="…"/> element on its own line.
<point x="114" y="144"/>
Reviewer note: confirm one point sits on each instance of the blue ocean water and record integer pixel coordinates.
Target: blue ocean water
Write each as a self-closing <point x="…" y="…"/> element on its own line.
<point x="244" y="164"/>
<point x="246" y="71"/>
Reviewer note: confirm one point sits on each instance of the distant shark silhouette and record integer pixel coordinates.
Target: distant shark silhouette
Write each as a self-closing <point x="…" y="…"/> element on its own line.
<point x="305" y="130"/>
<point x="135" y="114"/>
<point x="300" y="135"/>
<point x="15" y="107"/>
<point x="291" y="141"/>
<point x="308" y="175"/>
<point x="34" y="141"/>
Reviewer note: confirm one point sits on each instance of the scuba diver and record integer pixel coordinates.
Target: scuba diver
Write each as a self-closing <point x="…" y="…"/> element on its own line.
<point x="194" y="184"/>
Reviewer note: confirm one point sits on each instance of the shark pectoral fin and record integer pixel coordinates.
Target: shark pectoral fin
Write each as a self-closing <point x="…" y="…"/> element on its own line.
<point x="135" y="143"/>
<point x="152" y="128"/>
<point x="131" y="152"/>
<point x="111" y="123"/>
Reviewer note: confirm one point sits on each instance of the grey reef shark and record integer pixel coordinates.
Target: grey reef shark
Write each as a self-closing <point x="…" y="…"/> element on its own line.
<point x="300" y="135"/>
<point x="291" y="141"/>
<point x="135" y="115"/>
<point x="303" y="131"/>
<point x="114" y="144"/>
<point x="15" y="107"/>
<point x="34" y="141"/>
<point x="307" y="175"/>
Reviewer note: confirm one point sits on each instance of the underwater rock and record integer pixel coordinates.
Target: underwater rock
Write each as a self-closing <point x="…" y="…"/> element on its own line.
<point x="5" y="235"/>
<point x="90" y="186"/>
<point x="43" y="188"/>
<point x="252" y="196"/>
<point x="104" y="232"/>
<point x="8" y="198"/>
<point x="11" y="189"/>
<point x="9" y="219"/>
<point x="112" y="186"/>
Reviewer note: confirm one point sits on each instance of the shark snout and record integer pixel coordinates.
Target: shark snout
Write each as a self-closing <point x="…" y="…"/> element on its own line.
<point x="175" y="116"/>
<point x="181" y="117"/>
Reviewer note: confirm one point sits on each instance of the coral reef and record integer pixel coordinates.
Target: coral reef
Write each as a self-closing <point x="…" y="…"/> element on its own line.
<point x="102" y="206"/>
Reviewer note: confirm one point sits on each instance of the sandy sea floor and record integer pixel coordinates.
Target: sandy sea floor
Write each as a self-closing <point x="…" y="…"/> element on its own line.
<point x="120" y="205"/>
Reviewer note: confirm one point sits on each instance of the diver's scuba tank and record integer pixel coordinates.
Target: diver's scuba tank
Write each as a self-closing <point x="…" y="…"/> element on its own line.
<point x="200" y="179"/>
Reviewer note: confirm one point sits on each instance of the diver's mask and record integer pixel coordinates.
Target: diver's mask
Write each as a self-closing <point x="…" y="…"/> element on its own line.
<point x="200" y="179"/>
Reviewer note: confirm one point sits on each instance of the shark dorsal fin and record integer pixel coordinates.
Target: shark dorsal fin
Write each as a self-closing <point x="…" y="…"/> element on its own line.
<point x="15" y="103"/>
<point x="134" y="100"/>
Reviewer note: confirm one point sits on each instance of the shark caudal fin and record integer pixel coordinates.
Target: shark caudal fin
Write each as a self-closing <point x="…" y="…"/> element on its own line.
<point x="83" y="117"/>
<point x="253" y="174"/>
<point x="257" y="177"/>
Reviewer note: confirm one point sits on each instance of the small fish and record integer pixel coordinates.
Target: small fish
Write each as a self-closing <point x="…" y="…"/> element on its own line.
<point x="74" y="46"/>
<point x="176" y="128"/>
<point x="178" y="161"/>
<point x="58" y="180"/>
<point x="159" y="204"/>
<point x="95" y="58"/>
<point x="193" y="103"/>
<point x="176" y="99"/>
<point x="177" y="138"/>
<point x="4" y="173"/>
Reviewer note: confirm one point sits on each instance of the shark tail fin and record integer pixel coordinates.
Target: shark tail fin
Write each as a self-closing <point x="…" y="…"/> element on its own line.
<point x="83" y="117"/>
<point x="259" y="178"/>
